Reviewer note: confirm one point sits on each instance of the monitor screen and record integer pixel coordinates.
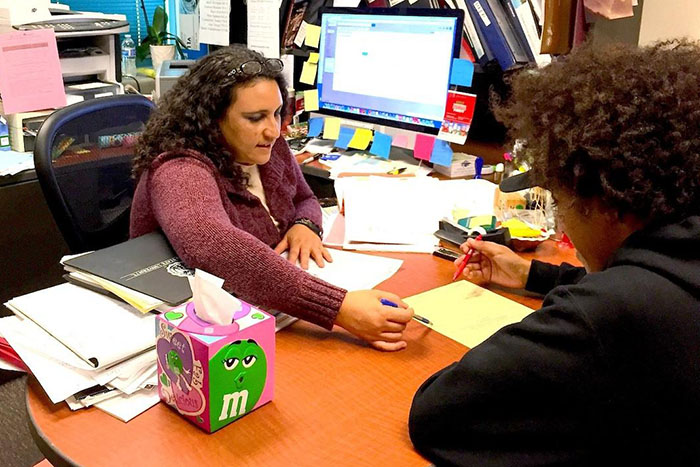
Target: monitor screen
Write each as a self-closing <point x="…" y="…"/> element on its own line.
<point x="388" y="66"/>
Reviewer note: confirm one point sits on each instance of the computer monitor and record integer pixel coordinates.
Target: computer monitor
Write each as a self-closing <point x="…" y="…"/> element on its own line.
<point x="388" y="66"/>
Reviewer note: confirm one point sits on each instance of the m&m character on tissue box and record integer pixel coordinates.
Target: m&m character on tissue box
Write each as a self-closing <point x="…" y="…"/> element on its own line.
<point x="213" y="374"/>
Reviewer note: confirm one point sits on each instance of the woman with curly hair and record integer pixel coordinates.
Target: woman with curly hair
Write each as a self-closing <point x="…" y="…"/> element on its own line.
<point x="216" y="177"/>
<point x="607" y="372"/>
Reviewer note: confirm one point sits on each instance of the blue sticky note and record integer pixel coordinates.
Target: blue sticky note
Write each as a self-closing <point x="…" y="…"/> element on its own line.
<point x="315" y="127"/>
<point x="462" y="72"/>
<point x="381" y="146"/>
<point x="346" y="134"/>
<point x="442" y="153"/>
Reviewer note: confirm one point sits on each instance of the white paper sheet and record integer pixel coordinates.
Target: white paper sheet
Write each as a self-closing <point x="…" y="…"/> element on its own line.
<point x="125" y="407"/>
<point x="355" y="271"/>
<point x="92" y="325"/>
<point x="214" y="21"/>
<point x="264" y="27"/>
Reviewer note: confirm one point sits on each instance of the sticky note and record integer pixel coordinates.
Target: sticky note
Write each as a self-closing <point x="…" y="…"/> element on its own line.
<point x="381" y="146"/>
<point x="315" y="127"/>
<point x="331" y="129"/>
<point x="462" y="72"/>
<point x="401" y="141"/>
<point x="442" y="153"/>
<point x="313" y="57"/>
<point x="313" y="34"/>
<point x="361" y="138"/>
<point x="423" y="147"/>
<point x="311" y="100"/>
<point x="308" y="73"/>
<point x="346" y="134"/>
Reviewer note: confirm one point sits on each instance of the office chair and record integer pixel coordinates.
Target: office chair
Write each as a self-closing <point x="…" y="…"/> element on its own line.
<point x="82" y="158"/>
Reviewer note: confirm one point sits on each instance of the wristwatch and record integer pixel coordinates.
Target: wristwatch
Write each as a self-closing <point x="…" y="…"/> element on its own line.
<point x="311" y="225"/>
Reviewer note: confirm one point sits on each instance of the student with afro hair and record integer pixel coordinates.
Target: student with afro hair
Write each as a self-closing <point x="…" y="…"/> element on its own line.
<point x="607" y="372"/>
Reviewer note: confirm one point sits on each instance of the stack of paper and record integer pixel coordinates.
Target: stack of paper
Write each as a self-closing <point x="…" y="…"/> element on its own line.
<point x="85" y="348"/>
<point x="401" y="214"/>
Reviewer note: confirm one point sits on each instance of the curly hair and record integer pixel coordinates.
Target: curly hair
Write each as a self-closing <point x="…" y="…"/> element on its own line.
<point x="188" y="115"/>
<point x="619" y="123"/>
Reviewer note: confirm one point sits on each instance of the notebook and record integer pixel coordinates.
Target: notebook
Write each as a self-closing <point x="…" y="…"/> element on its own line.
<point x="146" y="264"/>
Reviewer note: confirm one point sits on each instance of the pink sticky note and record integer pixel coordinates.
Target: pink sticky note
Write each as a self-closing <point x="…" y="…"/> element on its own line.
<point x="401" y="141"/>
<point x="30" y="72"/>
<point x="424" y="146"/>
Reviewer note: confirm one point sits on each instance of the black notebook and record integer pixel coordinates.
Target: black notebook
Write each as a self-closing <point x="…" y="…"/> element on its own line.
<point x="146" y="264"/>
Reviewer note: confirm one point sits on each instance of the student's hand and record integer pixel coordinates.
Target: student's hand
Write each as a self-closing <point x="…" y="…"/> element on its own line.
<point x="303" y="243"/>
<point x="494" y="263"/>
<point x="362" y="314"/>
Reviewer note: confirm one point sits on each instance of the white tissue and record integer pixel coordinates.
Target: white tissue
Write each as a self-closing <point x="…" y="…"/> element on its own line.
<point x="212" y="303"/>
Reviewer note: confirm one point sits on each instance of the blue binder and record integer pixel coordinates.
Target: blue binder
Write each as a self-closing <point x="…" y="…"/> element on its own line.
<point x="497" y="32"/>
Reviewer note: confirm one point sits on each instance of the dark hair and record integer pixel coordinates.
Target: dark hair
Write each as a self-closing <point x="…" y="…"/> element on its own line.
<point x="188" y="115"/>
<point x="618" y="123"/>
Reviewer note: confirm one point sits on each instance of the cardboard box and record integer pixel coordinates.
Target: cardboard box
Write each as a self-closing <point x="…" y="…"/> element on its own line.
<point x="212" y="374"/>
<point x="462" y="166"/>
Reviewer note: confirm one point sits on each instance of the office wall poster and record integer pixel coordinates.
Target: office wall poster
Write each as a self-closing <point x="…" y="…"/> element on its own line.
<point x="264" y="27"/>
<point x="188" y="23"/>
<point x="214" y="21"/>
<point x="458" y="117"/>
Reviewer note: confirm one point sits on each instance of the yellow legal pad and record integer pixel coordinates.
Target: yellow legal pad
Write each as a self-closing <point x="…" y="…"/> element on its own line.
<point x="465" y="312"/>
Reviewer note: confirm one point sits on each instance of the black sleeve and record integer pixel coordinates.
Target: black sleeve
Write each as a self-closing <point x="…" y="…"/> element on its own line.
<point x="518" y="398"/>
<point x="544" y="277"/>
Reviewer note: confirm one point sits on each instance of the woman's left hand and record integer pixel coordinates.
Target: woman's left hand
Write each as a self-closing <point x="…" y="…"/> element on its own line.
<point x="303" y="243"/>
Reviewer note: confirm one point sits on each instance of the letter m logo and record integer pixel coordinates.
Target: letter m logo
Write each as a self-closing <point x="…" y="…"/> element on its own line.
<point x="234" y="404"/>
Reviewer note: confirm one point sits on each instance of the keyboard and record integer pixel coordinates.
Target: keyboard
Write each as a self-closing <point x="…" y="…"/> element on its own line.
<point x="74" y="25"/>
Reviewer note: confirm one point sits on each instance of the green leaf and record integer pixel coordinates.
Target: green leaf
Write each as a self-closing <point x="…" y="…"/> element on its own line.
<point x="160" y="20"/>
<point x="143" y="50"/>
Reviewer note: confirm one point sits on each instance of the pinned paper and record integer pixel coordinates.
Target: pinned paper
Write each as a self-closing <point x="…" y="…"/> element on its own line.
<point x="381" y="146"/>
<point x="462" y="72"/>
<point x="31" y="72"/>
<point x="311" y="100"/>
<point x="346" y="134"/>
<point x="308" y="73"/>
<point x="315" y="127"/>
<point x="459" y="111"/>
<point x="212" y="303"/>
<point x="423" y="147"/>
<point x="301" y="34"/>
<point x="313" y="57"/>
<point x="361" y="139"/>
<point x="313" y="34"/>
<point x="331" y="130"/>
<point x="442" y="153"/>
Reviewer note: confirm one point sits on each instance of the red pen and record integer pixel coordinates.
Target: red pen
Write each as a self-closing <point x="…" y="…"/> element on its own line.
<point x="461" y="267"/>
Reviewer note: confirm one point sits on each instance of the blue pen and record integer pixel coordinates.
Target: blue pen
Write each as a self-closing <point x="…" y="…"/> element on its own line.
<point x="418" y="318"/>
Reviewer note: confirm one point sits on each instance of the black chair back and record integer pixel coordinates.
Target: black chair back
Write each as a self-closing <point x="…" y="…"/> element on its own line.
<point x="82" y="157"/>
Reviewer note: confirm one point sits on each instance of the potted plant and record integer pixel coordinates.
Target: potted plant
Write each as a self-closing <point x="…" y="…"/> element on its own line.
<point x="159" y="44"/>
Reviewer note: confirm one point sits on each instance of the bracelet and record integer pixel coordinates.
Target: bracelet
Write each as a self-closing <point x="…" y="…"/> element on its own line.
<point x="311" y="225"/>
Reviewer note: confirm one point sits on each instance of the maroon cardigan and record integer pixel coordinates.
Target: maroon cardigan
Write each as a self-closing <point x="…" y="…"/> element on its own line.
<point x="225" y="230"/>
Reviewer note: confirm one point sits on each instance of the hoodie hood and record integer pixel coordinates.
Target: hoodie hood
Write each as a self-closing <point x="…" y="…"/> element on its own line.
<point x="672" y="251"/>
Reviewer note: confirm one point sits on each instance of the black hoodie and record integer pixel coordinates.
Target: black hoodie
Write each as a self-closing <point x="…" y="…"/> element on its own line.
<point x="607" y="372"/>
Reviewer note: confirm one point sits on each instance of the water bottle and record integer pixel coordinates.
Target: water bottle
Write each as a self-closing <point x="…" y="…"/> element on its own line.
<point x="128" y="56"/>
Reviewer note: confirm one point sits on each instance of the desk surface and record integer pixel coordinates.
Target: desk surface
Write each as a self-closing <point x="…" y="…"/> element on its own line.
<point x="337" y="401"/>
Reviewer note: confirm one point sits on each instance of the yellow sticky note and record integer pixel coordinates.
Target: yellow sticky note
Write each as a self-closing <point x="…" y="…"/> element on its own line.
<point x="361" y="138"/>
<point x="466" y="312"/>
<point x="311" y="100"/>
<point x="308" y="73"/>
<point x="331" y="128"/>
<point x="313" y="57"/>
<point x="313" y="34"/>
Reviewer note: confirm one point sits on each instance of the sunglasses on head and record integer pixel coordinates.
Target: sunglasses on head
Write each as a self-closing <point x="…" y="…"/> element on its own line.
<point x="254" y="67"/>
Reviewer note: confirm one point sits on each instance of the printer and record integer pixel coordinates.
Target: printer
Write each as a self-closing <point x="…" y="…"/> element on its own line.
<point x="168" y="73"/>
<point x="88" y="43"/>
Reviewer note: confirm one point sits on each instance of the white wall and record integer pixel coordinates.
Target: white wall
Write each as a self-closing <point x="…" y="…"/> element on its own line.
<point x="665" y="19"/>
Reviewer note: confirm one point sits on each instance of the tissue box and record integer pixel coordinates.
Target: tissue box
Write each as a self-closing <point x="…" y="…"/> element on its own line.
<point x="214" y="374"/>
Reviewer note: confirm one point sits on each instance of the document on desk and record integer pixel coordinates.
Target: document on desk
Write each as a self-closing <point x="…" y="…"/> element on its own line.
<point x="100" y="330"/>
<point x="467" y="313"/>
<point x="125" y="407"/>
<point x="355" y="271"/>
<point x="30" y="72"/>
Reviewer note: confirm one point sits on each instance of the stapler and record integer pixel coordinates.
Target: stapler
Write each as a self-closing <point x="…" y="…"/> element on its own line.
<point x="456" y="235"/>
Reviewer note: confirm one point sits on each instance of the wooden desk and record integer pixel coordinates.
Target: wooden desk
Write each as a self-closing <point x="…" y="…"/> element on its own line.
<point x="337" y="401"/>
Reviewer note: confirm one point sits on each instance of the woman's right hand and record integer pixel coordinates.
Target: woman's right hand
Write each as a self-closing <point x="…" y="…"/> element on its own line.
<point x="494" y="263"/>
<point x="362" y="314"/>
